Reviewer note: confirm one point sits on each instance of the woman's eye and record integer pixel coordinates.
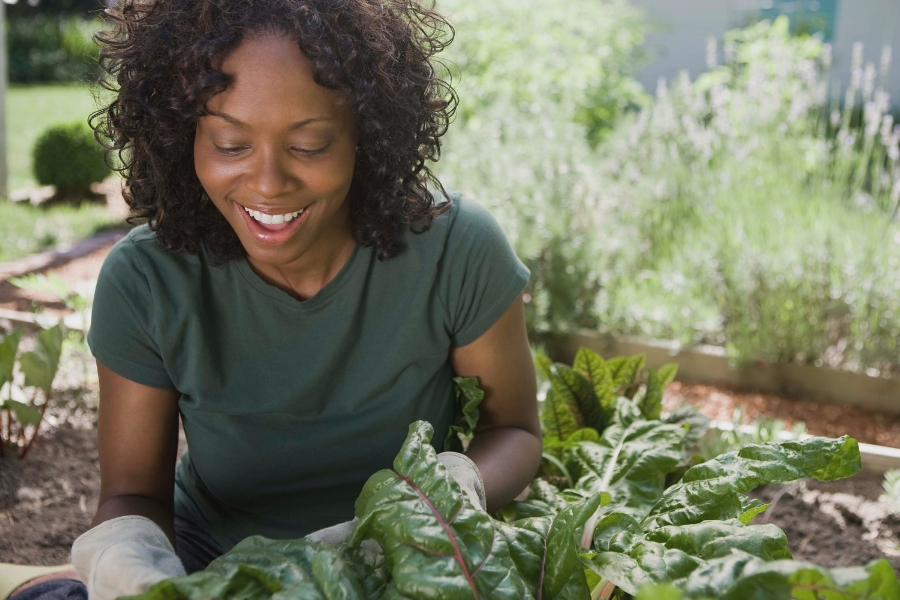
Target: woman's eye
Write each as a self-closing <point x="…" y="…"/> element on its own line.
<point x="230" y="150"/>
<point x="310" y="151"/>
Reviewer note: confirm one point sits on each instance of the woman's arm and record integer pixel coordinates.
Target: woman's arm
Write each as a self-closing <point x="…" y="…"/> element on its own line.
<point x="506" y="446"/>
<point x="138" y="445"/>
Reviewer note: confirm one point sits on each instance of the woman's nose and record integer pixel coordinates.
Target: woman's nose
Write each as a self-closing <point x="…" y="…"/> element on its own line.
<point x="270" y="176"/>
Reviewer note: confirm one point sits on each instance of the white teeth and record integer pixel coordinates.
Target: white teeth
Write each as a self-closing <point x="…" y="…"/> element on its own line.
<point x="273" y="219"/>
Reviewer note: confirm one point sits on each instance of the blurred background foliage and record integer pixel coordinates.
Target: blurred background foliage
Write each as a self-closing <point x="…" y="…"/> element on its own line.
<point x="752" y="208"/>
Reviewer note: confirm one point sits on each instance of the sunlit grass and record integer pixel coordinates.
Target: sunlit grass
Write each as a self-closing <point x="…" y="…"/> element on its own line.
<point x="31" y="110"/>
<point x="25" y="229"/>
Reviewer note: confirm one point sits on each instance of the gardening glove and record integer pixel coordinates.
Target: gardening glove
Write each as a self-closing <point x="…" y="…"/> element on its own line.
<point x="124" y="556"/>
<point x="467" y="475"/>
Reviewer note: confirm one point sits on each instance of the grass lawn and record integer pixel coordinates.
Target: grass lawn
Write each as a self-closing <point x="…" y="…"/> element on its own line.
<point x="25" y="229"/>
<point x="30" y="110"/>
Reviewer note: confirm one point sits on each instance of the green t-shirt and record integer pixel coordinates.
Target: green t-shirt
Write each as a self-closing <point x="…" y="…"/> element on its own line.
<point x="289" y="406"/>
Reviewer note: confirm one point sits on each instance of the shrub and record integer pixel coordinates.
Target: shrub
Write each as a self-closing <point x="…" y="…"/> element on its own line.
<point x="539" y="84"/>
<point x="751" y="210"/>
<point x="44" y="48"/>
<point x="69" y="157"/>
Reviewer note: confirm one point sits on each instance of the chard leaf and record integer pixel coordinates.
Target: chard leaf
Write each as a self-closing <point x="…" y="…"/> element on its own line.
<point x="630" y="461"/>
<point x="9" y="347"/>
<point x="543" y="499"/>
<point x="673" y="553"/>
<point x="40" y="365"/>
<point x="625" y="371"/>
<point x="260" y="569"/>
<point x="713" y="490"/>
<point x="699" y="423"/>
<point x="576" y="389"/>
<point x="468" y="397"/>
<point x="544" y="365"/>
<point x="436" y="544"/>
<point x="651" y="403"/>
<point x="742" y="576"/>
<point x="558" y="416"/>
<point x="599" y="378"/>
<point x="546" y="551"/>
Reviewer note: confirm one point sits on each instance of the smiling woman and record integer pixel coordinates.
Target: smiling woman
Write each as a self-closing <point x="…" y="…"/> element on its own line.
<point x="301" y="291"/>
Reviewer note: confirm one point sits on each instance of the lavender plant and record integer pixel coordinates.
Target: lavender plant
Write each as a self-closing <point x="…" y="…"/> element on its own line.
<point x="760" y="208"/>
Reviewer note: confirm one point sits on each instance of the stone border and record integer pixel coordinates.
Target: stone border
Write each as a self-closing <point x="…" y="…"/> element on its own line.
<point x="709" y="365"/>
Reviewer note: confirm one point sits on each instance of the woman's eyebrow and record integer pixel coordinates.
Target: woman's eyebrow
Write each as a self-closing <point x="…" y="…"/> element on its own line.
<point x="239" y="123"/>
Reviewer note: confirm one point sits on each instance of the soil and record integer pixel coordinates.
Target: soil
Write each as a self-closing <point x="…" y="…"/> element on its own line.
<point x="49" y="498"/>
<point x="835" y="524"/>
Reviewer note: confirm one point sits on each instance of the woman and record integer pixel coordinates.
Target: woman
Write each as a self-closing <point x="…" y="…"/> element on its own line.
<point x="299" y="296"/>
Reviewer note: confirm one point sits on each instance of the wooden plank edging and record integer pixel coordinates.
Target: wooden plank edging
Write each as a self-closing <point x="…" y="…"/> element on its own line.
<point x="709" y="365"/>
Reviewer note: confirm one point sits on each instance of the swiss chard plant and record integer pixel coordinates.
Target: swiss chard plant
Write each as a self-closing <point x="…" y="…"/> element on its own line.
<point x="622" y="510"/>
<point x="26" y="386"/>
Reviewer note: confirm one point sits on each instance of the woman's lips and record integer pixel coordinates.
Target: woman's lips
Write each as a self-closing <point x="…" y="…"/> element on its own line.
<point x="272" y="234"/>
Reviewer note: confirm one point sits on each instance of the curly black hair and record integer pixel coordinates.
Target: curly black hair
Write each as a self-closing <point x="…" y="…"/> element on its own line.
<point x="160" y="57"/>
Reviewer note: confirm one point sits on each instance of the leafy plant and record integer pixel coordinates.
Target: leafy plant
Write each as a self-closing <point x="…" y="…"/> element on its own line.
<point x="617" y="530"/>
<point x="69" y="157"/>
<point x="24" y="379"/>
<point x="891" y="485"/>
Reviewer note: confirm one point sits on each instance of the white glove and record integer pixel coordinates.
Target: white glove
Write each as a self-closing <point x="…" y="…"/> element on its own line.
<point x="467" y="475"/>
<point x="124" y="556"/>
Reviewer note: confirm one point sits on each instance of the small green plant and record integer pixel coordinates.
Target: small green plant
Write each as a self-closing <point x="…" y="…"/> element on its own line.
<point x="26" y="386"/>
<point x="761" y="431"/>
<point x="69" y="157"/>
<point x="891" y="487"/>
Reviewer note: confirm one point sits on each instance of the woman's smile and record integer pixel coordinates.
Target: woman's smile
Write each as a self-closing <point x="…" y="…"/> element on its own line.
<point x="273" y="228"/>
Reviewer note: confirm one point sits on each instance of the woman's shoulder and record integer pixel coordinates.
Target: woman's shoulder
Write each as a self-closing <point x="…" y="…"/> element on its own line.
<point x="462" y="219"/>
<point x="139" y="254"/>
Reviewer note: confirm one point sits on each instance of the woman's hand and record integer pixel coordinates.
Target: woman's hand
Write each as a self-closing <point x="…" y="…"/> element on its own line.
<point x="506" y="446"/>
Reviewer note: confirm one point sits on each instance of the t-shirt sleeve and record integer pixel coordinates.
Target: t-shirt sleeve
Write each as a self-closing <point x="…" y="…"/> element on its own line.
<point x="482" y="274"/>
<point x="121" y="336"/>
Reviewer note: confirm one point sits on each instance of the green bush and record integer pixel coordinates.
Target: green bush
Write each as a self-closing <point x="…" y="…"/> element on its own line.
<point x="69" y="157"/>
<point x="45" y="48"/>
<point x="540" y="83"/>
<point x="749" y="209"/>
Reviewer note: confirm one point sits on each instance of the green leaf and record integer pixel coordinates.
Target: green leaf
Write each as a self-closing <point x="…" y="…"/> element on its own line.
<point x="543" y="499"/>
<point x="25" y="414"/>
<point x="436" y="544"/>
<point x="544" y="365"/>
<point x="259" y="568"/>
<point x="40" y="365"/>
<point x="546" y="552"/>
<point x="630" y="461"/>
<point x="651" y="403"/>
<point x="468" y="397"/>
<point x="713" y="490"/>
<point x="9" y="347"/>
<point x="655" y="591"/>
<point x="742" y="576"/>
<point x="596" y="371"/>
<point x="577" y="391"/>
<point x="625" y="372"/>
<point x="699" y="423"/>
<point x="558" y="416"/>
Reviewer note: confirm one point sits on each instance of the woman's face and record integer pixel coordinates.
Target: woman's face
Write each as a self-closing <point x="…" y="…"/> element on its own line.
<point x="276" y="155"/>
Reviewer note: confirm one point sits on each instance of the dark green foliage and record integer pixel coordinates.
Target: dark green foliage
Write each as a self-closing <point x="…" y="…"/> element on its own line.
<point x="51" y="48"/>
<point x="614" y="530"/>
<point x="468" y="397"/>
<point x="69" y="157"/>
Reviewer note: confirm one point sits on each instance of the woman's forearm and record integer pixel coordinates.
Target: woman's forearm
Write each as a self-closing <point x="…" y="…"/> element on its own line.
<point x="508" y="459"/>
